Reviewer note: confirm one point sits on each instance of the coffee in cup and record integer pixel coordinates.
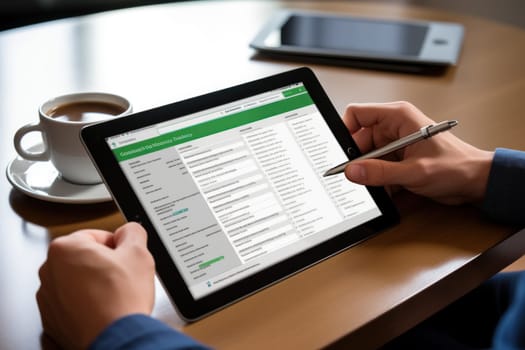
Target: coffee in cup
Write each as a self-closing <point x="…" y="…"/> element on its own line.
<point x="60" y="122"/>
<point x="89" y="111"/>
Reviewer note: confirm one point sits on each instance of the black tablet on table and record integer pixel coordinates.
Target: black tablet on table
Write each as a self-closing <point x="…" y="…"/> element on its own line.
<point x="229" y="187"/>
<point x="414" y="46"/>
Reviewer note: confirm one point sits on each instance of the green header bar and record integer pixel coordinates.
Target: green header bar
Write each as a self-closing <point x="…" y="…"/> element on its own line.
<point x="294" y="91"/>
<point x="197" y="131"/>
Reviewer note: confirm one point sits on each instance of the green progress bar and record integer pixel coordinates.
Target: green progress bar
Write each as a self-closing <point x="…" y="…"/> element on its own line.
<point x="210" y="262"/>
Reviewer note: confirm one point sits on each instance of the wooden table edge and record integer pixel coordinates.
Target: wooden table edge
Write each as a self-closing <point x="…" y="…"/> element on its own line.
<point x="480" y="268"/>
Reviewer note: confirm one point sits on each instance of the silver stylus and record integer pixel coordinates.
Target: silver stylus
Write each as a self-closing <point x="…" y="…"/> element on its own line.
<point x="423" y="133"/>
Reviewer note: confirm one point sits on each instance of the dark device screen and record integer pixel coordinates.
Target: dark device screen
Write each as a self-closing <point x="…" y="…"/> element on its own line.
<point x="354" y="34"/>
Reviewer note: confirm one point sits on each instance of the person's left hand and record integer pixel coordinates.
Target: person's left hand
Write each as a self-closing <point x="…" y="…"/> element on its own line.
<point x="92" y="278"/>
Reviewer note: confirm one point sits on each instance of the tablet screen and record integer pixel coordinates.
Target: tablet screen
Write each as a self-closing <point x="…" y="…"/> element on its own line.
<point x="236" y="188"/>
<point x="353" y="34"/>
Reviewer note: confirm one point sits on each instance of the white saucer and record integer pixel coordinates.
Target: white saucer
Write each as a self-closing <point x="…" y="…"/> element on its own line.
<point x="41" y="180"/>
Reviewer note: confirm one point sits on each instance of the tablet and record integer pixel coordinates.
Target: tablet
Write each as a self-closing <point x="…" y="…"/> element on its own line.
<point x="368" y="42"/>
<point x="229" y="187"/>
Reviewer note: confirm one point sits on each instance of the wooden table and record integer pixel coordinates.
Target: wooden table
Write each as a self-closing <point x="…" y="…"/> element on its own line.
<point x="159" y="54"/>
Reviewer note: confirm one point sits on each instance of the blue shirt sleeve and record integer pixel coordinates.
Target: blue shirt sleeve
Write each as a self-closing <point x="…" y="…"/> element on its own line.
<point x="505" y="195"/>
<point x="142" y="332"/>
<point x="505" y="202"/>
<point x="510" y="331"/>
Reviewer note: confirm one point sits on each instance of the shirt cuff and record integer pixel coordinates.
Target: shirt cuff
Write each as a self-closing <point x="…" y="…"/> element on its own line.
<point x="505" y="196"/>
<point x="142" y="332"/>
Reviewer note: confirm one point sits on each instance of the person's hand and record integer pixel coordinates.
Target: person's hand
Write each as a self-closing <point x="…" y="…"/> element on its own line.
<point x="443" y="167"/>
<point x="92" y="278"/>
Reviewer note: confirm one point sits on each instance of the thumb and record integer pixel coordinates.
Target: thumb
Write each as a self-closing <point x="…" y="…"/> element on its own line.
<point x="376" y="172"/>
<point x="130" y="234"/>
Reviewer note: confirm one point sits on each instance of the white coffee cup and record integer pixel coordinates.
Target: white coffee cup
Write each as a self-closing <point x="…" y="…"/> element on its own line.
<point x="60" y="121"/>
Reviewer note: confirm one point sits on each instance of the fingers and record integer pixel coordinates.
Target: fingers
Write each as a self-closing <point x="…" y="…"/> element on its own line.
<point x="98" y="236"/>
<point x="375" y="125"/>
<point x="131" y="245"/>
<point x="393" y="117"/>
<point x="375" y="172"/>
<point x="43" y="299"/>
<point x="130" y="234"/>
<point x="361" y="115"/>
<point x="127" y="234"/>
<point x="365" y="140"/>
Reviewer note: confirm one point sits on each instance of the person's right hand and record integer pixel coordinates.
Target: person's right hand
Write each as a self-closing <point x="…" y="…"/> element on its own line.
<point x="443" y="167"/>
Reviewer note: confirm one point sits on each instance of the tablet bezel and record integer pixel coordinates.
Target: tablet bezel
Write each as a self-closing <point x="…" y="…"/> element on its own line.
<point x="94" y="136"/>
